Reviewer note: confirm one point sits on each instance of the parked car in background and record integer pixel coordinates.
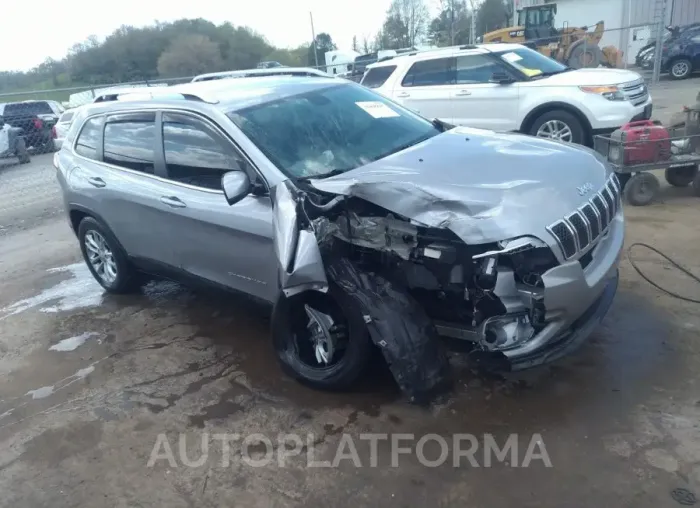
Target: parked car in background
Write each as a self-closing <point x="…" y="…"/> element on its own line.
<point x="36" y="119"/>
<point x="12" y="143"/>
<point x="680" y="55"/>
<point x="269" y="65"/>
<point x="248" y="73"/>
<point x="358" y="220"/>
<point x="62" y="126"/>
<point x="509" y="87"/>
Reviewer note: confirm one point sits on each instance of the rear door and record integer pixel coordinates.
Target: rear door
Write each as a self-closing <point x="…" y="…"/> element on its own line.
<point x="117" y="173"/>
<point x="427" y="88"/>
<point x="227" y="245"/>
<point x="476" y="102"/>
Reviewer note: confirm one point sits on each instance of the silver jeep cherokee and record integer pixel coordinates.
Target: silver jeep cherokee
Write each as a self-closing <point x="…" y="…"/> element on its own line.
<point x="362" y="223"/>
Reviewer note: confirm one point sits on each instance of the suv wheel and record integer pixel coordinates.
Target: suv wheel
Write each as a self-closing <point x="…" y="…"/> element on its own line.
<point x="321" y="338"/>
<point x="105" y="258"/>
<point x="681" y="68"/>
<point x="558" y="125"/>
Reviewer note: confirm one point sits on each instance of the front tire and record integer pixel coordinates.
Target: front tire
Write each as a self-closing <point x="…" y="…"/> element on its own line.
<point x="22" y="153"/>
<point x="559" y="125"/>
<point x="681" y="68"/>
<point x="641" y="189"/>
<point x="298" y="351"/>
<point x="105" y="257"/>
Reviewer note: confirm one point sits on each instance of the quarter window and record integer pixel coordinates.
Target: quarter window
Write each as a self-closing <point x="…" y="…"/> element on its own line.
<point x="130" y="144"/>
<point x="88" y="139"/>
<point x="439" y="71"/>
<point x="196" y="155"/>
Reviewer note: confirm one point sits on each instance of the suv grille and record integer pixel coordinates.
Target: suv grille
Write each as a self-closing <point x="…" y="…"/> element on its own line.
<point x="636" y="92"/>
<point x="586" y="225"/>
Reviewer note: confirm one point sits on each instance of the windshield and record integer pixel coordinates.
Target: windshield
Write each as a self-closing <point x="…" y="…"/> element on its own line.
<point x="531" y="63"/>
<point x="330" y="130"/>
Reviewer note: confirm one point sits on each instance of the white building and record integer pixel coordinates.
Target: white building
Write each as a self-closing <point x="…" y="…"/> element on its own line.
<point x="629" y="24"/>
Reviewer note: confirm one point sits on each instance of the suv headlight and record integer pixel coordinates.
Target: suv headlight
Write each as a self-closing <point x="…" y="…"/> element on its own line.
<point x="610" y="92"/>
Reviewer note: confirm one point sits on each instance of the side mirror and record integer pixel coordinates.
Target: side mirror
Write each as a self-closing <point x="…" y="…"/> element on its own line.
<point x="236" y="186"/>
<point x="501" y="78"/>
<point x="2" y="122"/>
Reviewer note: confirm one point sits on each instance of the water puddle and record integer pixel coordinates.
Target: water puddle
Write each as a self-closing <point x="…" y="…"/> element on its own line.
<point x="73" y="343"/>
<point x="81" y="290"/>
<point x="40" y="393"/>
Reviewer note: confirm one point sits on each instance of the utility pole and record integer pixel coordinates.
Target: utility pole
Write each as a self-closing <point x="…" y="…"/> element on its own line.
<point x="515" y="13"/>
<point x="313" y="40"/>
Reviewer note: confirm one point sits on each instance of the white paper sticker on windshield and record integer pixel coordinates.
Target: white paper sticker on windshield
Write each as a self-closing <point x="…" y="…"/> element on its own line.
<point x="511" y="57"/>
<point x="377" y="109"/>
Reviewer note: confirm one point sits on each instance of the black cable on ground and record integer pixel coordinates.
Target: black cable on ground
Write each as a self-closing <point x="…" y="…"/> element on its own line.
<point x="674" y="263"/>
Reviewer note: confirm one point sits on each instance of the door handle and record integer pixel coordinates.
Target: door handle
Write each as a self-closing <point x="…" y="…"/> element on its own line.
<point x="403" y="94"/>
<point x="462" y="93"/>
<point x="172" y="201"/>
<point x="96" y="181"/>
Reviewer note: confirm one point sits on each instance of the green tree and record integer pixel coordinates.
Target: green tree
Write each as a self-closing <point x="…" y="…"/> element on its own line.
<point x="452" y="26"/>
<point x="493" y="14"/>
<point x="405" y="25"/>
<point x="324" y="43"/>
<point x="189" y="55"/>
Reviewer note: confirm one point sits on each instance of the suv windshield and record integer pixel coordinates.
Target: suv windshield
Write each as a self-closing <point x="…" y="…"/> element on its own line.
<point x="330" y="130"/>
<point x="531" y="63"/>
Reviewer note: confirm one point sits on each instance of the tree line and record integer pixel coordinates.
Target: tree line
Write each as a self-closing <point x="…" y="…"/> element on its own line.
<point x="194" y="46"/>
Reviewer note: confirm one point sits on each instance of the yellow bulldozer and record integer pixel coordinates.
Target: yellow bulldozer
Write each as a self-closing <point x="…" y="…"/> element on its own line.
<point x="573" y="46"/>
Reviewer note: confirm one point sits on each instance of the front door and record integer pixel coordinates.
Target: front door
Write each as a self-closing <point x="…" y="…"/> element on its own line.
<point x="228" y="245"/>
<point x="476" y="102"/>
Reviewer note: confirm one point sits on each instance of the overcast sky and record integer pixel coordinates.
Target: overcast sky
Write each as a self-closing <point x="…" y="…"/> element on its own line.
<point x="32" y="30"/>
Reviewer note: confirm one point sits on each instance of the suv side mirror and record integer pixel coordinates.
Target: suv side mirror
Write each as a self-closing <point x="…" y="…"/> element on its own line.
<point x="236" y="186"/>
<point x="501" y="78"/>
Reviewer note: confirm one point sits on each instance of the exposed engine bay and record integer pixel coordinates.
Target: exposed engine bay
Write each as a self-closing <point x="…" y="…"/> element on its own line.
<point x="490" y="295"/>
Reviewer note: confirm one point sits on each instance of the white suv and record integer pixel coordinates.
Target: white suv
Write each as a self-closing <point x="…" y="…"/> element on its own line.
<point x="510" y="87"/>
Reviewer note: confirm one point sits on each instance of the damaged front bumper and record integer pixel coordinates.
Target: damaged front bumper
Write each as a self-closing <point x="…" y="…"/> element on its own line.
<point x="576" y="299"/>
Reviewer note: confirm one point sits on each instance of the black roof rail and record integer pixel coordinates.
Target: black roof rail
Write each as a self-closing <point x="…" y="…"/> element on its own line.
<point x="469" y="46"/>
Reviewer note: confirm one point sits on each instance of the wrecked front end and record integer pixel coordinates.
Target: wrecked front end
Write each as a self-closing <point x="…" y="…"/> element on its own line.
<point x="518" y="302"/>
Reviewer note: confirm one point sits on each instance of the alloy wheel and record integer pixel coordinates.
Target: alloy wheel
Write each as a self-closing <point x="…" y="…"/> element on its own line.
<point x="680" y="69"/>
<point x="555" y="129"/>
<point x="100" y="257"/>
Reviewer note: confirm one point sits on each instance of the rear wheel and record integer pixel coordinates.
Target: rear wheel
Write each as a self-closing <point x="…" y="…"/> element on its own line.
<point x="585" y="56"/>
<point x="559" y="125"/>
<point x="105" y="257"/>
<point x="681" y="68"/>
<point x="682" y="176"/>
<point x="321" y="338"/>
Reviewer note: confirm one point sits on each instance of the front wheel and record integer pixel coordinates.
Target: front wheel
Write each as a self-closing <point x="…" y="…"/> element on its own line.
<point x="559" y="125"/>
<point x="641" y="189"/>
<point x="22" y="153"/>
<point x="321" y="338"/>
<point x="681" y="68"/>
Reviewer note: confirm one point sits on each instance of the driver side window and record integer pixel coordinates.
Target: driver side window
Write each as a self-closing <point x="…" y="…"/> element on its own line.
<point x="195" y="153"/>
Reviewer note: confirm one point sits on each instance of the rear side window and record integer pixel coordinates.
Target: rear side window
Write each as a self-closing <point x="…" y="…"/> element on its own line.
<point x="439" y="71"/>
<point x="377" y="76"/>
<point x="88" y="139"/>
<point x="130" y="143"/>
<point x="28" y="108"/>
<point x="66" y="117"/>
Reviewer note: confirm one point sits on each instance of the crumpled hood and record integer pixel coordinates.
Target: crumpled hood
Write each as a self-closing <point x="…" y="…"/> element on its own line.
<point x="481" y="185"/>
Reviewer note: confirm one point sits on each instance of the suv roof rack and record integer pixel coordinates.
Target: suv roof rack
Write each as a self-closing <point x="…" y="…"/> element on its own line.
<point x="136" y="96"/>
<point x="469" y="46"/>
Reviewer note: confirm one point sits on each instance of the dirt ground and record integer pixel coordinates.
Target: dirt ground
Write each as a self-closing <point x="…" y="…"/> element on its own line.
<point x="90" y="382"/>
